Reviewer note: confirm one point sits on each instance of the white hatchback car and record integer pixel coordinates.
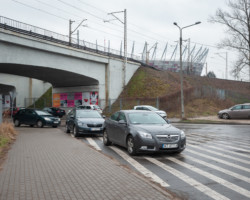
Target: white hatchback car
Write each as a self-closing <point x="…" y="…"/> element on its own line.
<point x="91" y="107"/>
<point x="151" y="108"/>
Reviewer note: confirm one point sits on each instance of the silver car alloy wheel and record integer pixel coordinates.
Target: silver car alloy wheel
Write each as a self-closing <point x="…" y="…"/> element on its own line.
<point x="75" y="132"/>
<point x="39" y="124"/>
<point x="67" y="129"/>
<point x="105" y="137"/>
<point x="130" y="144"/>
<point x="225" y="116"/>
<point x="17" y="123"/>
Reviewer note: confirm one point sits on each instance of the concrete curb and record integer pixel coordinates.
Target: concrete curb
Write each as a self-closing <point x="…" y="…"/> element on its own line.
<point x="211" y="120"/>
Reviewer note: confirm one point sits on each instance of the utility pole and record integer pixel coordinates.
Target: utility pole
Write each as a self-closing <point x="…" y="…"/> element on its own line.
<point x="78" y="38"/>
<point x="189" y="68"/>
<point x="70" y="32"/>
<point x="124" y="22"/>
<point x="70" y="29"/>
<point x="226" y="67"/>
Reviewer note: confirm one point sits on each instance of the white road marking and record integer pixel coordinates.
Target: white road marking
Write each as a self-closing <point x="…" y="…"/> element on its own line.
<point x="237" y="148"/>
<point x="217" y="139"/>
<point x="244" y="145"/>
<point x="229" y="151"/>
<point x="223" y="155"/>
<point x="93" y="143"/>
<point x="199" y="186"/>
<point x="219" y="160"/>
<point x="225" y="171"/>
<point x="140" y="168"/>
<point x="223" y="182"/>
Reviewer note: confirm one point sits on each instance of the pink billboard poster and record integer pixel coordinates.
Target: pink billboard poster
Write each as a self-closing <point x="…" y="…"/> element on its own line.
<point x="78" y="96"/>
<point x="63" y="96"/>
<point x="71" y="103"/>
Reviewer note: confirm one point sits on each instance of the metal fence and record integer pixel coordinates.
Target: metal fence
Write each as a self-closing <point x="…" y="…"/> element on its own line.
<point x="168" y="103"/>
<point x="172" y="102"/>
<point x="33" y="31"/>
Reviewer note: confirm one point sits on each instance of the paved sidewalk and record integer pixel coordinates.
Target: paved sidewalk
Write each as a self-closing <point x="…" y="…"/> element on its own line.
<point x="48" y="164"/>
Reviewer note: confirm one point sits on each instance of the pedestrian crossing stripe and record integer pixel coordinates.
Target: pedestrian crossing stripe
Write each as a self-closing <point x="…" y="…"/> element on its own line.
<point x="199" y="186"/>
<point x="206" y="190"/>
<point x="139" y="167"/>
<point x="221" y="154"/>
<point x="219" y="160"/>
<point x="223" y="182"/>
<point x="221" y="149"/>
<point x="225" y="171"/>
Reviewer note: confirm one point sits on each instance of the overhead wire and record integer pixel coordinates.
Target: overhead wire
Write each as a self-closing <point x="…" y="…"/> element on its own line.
<point x="141" y="34"/>
<point x="40" y="10"/>
<point x="70" y="5"/>
<point x="77" y="8"/>
<point x="65" y="11"/>
<point x="100" y="18"/>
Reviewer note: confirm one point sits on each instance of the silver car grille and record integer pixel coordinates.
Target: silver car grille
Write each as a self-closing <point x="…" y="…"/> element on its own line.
<point x="168" y="138"/>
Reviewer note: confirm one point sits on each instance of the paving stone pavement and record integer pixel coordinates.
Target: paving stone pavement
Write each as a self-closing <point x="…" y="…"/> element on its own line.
<point x="48" y="164"/>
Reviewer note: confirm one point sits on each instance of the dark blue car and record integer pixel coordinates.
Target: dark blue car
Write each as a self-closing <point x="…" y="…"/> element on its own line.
<point x="35" y="117"/>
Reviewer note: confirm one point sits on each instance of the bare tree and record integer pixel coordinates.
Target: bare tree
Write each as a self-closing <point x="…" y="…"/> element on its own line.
<point x="237" y="23"/>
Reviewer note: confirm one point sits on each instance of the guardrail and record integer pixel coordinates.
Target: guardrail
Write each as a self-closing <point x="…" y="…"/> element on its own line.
<point x="33" y="31"/>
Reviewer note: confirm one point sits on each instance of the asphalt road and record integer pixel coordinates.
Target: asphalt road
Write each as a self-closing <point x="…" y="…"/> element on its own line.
<point x="215" y="164"/>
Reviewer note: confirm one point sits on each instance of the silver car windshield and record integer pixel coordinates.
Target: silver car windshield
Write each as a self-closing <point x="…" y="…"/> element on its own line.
<point x="145" y="118"/>
<point x="86" y="114"/>
<point x="42" y="112"/>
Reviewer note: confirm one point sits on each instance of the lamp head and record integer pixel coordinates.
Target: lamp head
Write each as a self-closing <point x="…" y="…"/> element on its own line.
<point x="175" y="23"/>
<point x="197" y="22"/>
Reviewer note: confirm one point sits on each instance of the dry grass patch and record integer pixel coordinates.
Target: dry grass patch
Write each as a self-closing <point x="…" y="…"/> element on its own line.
<point x="7" y="137"/>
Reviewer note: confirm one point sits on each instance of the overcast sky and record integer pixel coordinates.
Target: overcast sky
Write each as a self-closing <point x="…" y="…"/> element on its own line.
<point x="148" y="21"/>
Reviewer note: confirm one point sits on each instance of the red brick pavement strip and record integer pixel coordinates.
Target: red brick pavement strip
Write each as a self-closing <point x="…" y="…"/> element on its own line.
<point x="48" y="164"/>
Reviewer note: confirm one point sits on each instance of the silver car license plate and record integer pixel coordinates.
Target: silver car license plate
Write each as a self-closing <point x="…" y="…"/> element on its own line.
<point x="169" y="146"/>
<point x="95" y="129"/>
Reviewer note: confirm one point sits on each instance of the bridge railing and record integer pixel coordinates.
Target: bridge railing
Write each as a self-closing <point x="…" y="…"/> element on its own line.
<point x="34" y="31"/>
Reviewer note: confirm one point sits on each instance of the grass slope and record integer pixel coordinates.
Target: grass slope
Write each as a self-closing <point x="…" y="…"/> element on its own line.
<point x="147" y="84"/>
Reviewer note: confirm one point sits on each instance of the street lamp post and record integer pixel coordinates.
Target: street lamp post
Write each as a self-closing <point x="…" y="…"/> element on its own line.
<point x="181" y="73"/>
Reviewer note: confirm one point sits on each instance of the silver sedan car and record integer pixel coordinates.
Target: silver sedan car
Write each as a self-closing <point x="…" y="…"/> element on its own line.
<point x="240" y="111"/>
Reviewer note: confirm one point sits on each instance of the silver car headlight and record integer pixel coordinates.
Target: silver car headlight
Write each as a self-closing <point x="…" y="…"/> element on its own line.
<point x="183" y="135"/>
<point x="80" y="123"/>
<point x="145" y="135"/>
<point x="47" y="118"/>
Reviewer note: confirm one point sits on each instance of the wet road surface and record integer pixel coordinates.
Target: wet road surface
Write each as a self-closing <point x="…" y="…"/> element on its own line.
<point x="215" y="164"/>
